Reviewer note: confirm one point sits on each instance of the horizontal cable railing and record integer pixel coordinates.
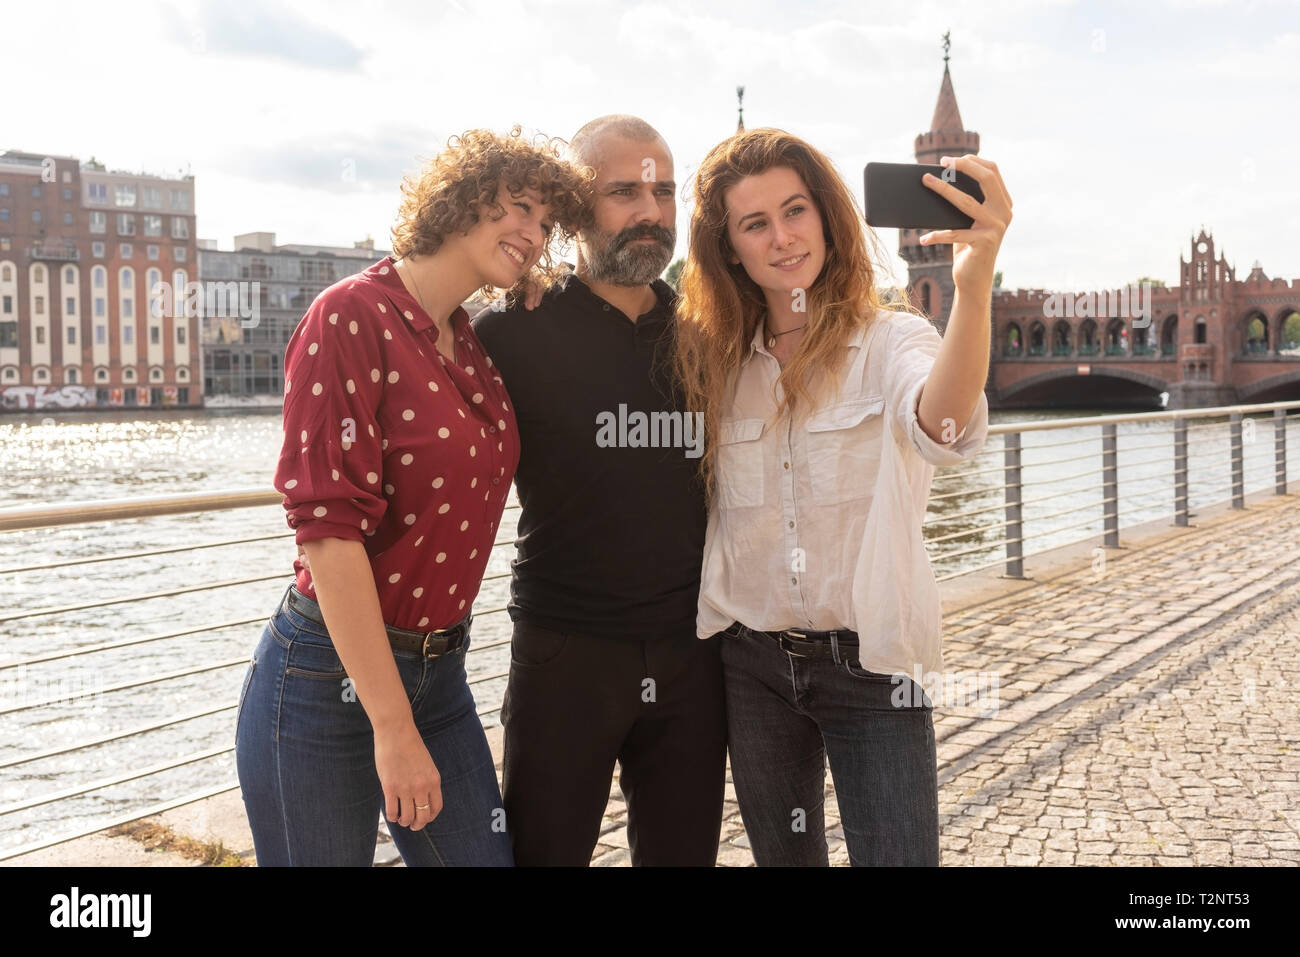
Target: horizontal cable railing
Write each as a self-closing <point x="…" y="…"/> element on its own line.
<point x="960" y="543"/>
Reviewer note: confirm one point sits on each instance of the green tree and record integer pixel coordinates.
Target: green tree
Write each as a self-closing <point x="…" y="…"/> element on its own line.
<point x="997" y="279"/>
<point x="673" y="274"/>
<point x="1155" y="283"/>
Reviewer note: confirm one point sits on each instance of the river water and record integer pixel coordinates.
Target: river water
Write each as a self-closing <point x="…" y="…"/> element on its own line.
<point x="95" y="456"/>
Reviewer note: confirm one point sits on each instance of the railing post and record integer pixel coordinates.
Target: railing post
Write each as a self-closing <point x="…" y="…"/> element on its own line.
<point x="1180" y="471"/>
<point x="1015" y="526"/>
<point x="1238" y="477"/>
<point x="1279" y="450"/>
<point x="1110" y="485"/>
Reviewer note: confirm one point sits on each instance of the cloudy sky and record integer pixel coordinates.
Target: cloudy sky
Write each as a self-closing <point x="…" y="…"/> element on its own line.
<point x="1120" y="127"/>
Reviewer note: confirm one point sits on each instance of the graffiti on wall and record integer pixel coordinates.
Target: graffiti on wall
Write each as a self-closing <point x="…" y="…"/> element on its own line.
<point x="42" y="397"/>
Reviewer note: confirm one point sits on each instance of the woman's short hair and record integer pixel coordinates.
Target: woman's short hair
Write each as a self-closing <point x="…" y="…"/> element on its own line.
<point x="459" y="186"/>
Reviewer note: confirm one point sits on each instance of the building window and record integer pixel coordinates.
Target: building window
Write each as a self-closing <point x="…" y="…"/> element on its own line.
<point x="4" y="214"/>
<point x="125" y="251"/>
<point x="151" y="253"/>
<point x="128" y="308"/>
<point x="180" y="228"/>
<point x="128" y="335"/>
<point x="126" y="224"/>
<point x="42" y="375"/>
<point x="40" y="305"/>
<point x="4" y="244"/>
<point x="179" y="253"/>
<point x="153" y="225"/>
<point x="97" y="276"/>
<point x="72" y="335"/>
<point x="97" y="193"/>
<point x="67" y="219"/>
<point x="98" y="221"/>
<point x="67" y="195"/>
<point x="155" y="375"/>
<point x="36" y="216"/>
<point x="7" y="305"/>
<point x="101" y="335"/>
<point x="70" y="375"/>
<point x="180" y="200"/>
<point x="4" y="189"/>
<point x="97" y="248"/>
<point x="151" y="197"/>
<point x="36" y="192"/>
<point x="40" y="335"/>
<point x="38" y="275"/>
<point x="128" y="375"/>
<point x="69" y="275"/>
<point x="8" y="337"/>
<point x="69" y="306"/>
<point x="180" y="335"/>
<point x="124" y="195"/>
<point x="100" y="309"/>
<point x="155" y="336"/>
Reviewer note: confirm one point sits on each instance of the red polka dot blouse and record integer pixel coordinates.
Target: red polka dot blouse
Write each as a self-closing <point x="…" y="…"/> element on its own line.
<point x="389" y="443"/>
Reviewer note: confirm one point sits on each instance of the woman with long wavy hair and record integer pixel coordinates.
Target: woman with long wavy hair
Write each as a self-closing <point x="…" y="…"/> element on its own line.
<point x="827" y="409"/>
<point x="399" y="449"/>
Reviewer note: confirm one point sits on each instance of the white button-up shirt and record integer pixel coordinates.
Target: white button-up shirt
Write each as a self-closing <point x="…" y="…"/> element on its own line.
<point x="817" y="522"/>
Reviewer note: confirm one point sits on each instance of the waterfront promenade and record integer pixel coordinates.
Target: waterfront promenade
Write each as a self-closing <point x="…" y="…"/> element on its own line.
<point x="1147" y="714"/>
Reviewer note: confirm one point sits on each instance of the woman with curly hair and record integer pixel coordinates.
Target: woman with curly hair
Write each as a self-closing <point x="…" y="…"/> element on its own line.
<point x="399" y="449"/>
<point x="828" y="410"/>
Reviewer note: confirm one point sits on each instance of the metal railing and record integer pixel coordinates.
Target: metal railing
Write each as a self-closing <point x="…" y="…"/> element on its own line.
<point x="1005" y="518"/>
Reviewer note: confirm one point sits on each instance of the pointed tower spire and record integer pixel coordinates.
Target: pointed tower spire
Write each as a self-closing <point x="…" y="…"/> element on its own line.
<point x="740" y="109"/>
<point x="947" y="118"/>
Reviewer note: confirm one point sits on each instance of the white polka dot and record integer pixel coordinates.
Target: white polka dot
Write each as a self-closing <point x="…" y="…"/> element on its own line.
<point x="501" y="424"/>
<point x="334" y="318"/>
<point x="473" y="553"/>
<point x="408" y="315"/>
<point x="461" y="605"/>
<point x="364" y="524"/>
<point x="317" y="388"/>
<point x="473" y="483"/>
<point x="346" y="443"/>
<point x="387" y="334"/>
<point x="472" y="451"/>
<point x="313" y="348"/>
<point x="437" y="483"/>
<point x="418" y="592"/>
<point x="444" y="432"/>
<point x="352" y="386"/>
<point x="410" y="519"/>
<point x="464" y="525"/>
<point x="384" y="444"/>
<point x="381" y="307"/>
<point x="292" y="483"/>
<point x="352" y="327"/>
<point x="477" y="397"/>
<point x="383" y="270"/>
<point x="374" y="375"/>
<point x="451" y="590"/>
<point x="485" y="496"/>
<point x="504" y="405"/>
<point x="408" y="458"/>
<point x="417" y="543"/>
<point x="462" y="413"/>
<point x="441" y="557"/>
<point x="393" y="376"/>
<point x="302" y="436"/>
<point x="372" y="477"/>
<point x="433" y="386"/>
<point x="334" y="474"/>
<point x="444" y="508"/>
<point x="469" y="369"/>
<point x="371" y="429"/>
<point x="319" y="511"/>
<point x="489" y="362"/>
<point x="408" y="414"/>
<point x="287" y="386"/>
<point x="394" y="578"/>
<point x="482" y="433"/>
<point x="389" y="489"/>
<point x="422" y="622"/>
<point x="499" y="447"/>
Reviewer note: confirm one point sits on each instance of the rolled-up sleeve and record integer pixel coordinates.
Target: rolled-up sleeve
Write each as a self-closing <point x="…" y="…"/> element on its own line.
<point x="914" y="346"/>
<point x="331" y="464"/>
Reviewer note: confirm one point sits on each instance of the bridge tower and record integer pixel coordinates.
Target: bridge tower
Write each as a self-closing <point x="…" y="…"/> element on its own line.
<point x="1204" y="346"/>
<point x="929" y="268"/>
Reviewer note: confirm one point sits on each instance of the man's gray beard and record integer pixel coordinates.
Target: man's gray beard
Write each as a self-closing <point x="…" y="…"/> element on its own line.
<point x="633" y="265"/>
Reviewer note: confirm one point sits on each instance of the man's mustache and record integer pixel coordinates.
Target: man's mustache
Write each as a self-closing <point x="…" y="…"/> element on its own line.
<point x="658" y="233"/>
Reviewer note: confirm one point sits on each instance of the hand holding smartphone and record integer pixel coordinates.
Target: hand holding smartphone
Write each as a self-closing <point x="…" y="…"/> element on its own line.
<point x="896" y="197"/>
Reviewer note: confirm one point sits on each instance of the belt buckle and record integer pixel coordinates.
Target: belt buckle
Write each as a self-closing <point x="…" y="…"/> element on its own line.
<point x="424" y="648"/>
<point x="785" y="637"/>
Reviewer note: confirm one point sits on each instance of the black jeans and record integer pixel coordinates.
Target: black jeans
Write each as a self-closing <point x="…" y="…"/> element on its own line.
<point x="576" y="704"/>
<point x="788" y="715"/>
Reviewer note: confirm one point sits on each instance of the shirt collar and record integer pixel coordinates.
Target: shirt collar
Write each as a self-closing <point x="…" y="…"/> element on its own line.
<point x="756" y="343"/>
<point x="664" y="294"/>
<point x="384" y="274"/>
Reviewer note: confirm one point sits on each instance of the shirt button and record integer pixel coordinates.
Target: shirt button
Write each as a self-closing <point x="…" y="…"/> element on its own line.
<point x="792" y="524"/>
<point x="785" y="465"/>
<point x="492" y="429"/>
<point x="794" y="581"/>
<point x="496" y="481"/>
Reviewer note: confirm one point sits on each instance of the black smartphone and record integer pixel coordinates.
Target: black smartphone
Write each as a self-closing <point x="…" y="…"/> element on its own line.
<point x="896" y="197"/>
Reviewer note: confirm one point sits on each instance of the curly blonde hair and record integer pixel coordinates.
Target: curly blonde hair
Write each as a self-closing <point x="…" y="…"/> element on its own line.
<point x="451" y="193"/>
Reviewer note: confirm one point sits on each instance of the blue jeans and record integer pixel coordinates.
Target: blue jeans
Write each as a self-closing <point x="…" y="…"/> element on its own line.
<point x="306" y="758"/>
<point x="787" y="715"/>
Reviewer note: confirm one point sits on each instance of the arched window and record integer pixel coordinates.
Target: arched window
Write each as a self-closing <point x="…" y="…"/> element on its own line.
<point x="69" y="275"/>
<point x="98" y="276"/>
<point x="70" y="375"/>
<point x="1200" y="329"/>
<point x="925" y="298"/>
<point x="6" y="274"/>
<point x="128" y="375"/>
<point x="38" y="274"/>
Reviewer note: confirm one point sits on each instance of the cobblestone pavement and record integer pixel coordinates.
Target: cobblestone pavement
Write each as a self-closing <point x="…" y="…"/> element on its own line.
<point x="1146" y="711"/>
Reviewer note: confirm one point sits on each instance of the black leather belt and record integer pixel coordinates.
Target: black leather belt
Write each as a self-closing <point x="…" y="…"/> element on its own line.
<point x="804" y="643"/>
<point x="430" y="644"/>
